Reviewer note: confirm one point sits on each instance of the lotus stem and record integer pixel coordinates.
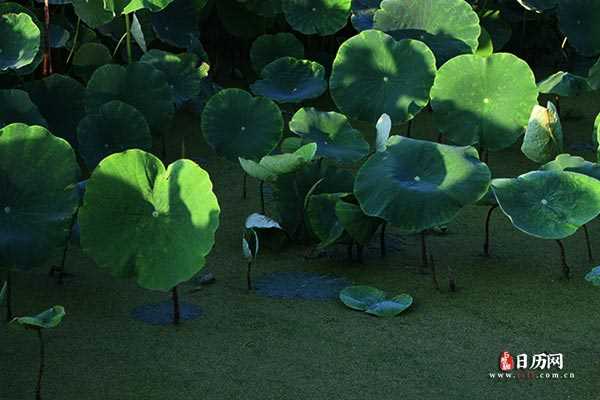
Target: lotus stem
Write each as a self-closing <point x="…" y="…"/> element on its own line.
<point x="451" y="280"/>
<point x="9" y="313"/>
<point x="63" y="262"/>
<point x="249" y="275"/>
<point x="588" y="243"/>
<point x="382" y="239"/>
<point x="486" y="244"/>
<point x="436" y="284"/>
<point x="557" y="100"/>
<point x="244" y="185"/>
<point x="563" y="259"/>
<point x="47" y="65"/>
<point x="262" y="196"/>
<point x="75" y="40"/>
<point x="424" y="257"/>
<point x="409" y="128"/>
<point x="38" y="390"/>
<point x="176" y="310"/>
<point x="128" y="40"/>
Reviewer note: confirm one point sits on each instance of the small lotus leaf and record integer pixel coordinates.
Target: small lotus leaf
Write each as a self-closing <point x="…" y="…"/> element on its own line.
<point x="322" y="17"/>
<point x="88" y="58"/>
<point x="50" y="318"/>
<point x="356" y="223"/>
<point x="564" y="84"/>
<point x="361" y="297"/>
<point x="16" y="106"/>
<point x="270" y="167"/>
<point x="19" y="41"/>
<point x="543" y="139"/>
<point x="383" y="127"/>
<point x="594" y="276"/>
<point x="391" y="307"/>
<point x="268" y="48"/>
<point x="259" y="221"/>
<point x="322" y="218"/>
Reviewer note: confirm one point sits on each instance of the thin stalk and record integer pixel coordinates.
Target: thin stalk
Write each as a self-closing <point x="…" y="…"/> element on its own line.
<point x="436" y="284"/>
<point x="563" y="259"/>
<point x="262" y="196"/>
<point x="61" y="270"/>
<point x="128" y="33"/>
<point x="557" y="100"/>
<point x="47" y="65"/>
<point x="409" y="128"/>
<point x="451" y="280"/>
<point x="75" y="40"/>
<point x="38" y="390"/>
<point x="244" y="185"/>
<point x="176" y="310"/>
<point x="249" y="275"/>
<point x="382" y="247"/>
<point x="486" y="244"/>
<point x="588" y="243"/>
<point x="9" y="312"/>
<point x="424" y="256"/>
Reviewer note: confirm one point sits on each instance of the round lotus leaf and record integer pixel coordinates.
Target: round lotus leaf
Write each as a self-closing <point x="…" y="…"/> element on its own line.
<point x="549" y="204"/>
<point x="88" y="58"/>
<point x="38" y="173"/>
<point x="498" y="28"/>
<point x="486" y="47"/>
<point x="92" y="13"/>
<point x="484" y="100"/>
<point x="594" y="276"/>
<point x="141" y="221"/>
<point x="594" y="76"/>
<point x="268" y="48"/>
<point x="235" y="124"/>
<point x="564" y="84"/>
<point x="322" y="17"/>
<point x="448" y="27"/>
<point x="288" y="80"/>
<point x="15" y="8"/>
<point x="183" y="72"/>
<point x="16" y="106"/>
<point x="361" y="297"/>
<point x="270" y="167"/>
<point x="116" y="127"/>
<point x="19" y="41"/>
<point x="177" y="23"/>
<point x="139" y="85"/>
<point x="395" y="81"/>
<point x="58" y="36"/>
<point x="538" y="5"/>
<point x="333" y="134"/>
<point x="417" y="185"/>
<point x="63" y="115"/>
<point x="543" y="139"/>
<point x="239" y="21"/>
<point x="391" y="307"/>
<point x="579" y="22"/>
<point x="569" y="163"/>
<point x="359" y="226"/>
<point x="323" y="221"/>
<point x="50" y="318"/>
<point x="363" y="12"/>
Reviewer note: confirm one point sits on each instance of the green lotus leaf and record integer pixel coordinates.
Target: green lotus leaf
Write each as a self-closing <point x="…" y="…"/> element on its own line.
<point x="7" y="40"/>
<point x="38" y="173"/>
<point x="239" y="21"/>
<point x="392" y="307"/>
<point x="270" y="167"/>
<point x="448" y="27"/>
<point x="19" y="41"/>
<point x="141" y="221"/>
<point x="333" y="134"/>
<point x="486" y="46"/>
<point x="118" y="7"/>
<point x="116" y="127"/>
<point x="395" y="81"/>
<point x="259" y="221"/>
<point x="363" y="12"/>
<point x="594" y="276"/>
<point x="417" y="185"/>
<point x="383" y="127"/>
<point x="361" y="297"/>
<point x="50" y="318"/>
<point x="288" y="80"/>
<point x="564" y="84"/>
<point x="538" y="5"/>
<point x="322" y="17"/>
<point x="16" y="106"/>
<point x="484" y="100"/>
<point x="497" y="27"/>
<point x="594" y="76"/>
<point x="323" y="219"/>
<point x="359" y="226"/>
<point x="64" y="115"/>
<point x="268" y="48"/>
<point x="567" y="162"/>
<point x="182" y="71"/>
<point x="140" y="85"/>
<point x="549" y="204"/>
<point x="543" y="139"/>
<point x="88" y="58"/>
<point x="235" y="124"/>
<point x="488" y="199"/>
<point x="58" y="36"/>
<point x="177" y="23"/>
<point x="579" y="22"/>
<point x="92" y="13"/>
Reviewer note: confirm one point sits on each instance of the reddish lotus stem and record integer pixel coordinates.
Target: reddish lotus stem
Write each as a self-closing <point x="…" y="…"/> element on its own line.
<point x="47" y="67"/>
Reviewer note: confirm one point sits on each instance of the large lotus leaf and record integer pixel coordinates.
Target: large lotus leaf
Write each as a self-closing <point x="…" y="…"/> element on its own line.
<point x="564" y="84"/>
<point x="289" y="80"/>
<point x="417" y="185"/>
<point x="182" y="71"/>
<point x="235" y="124"/>
<point x="359" y="226"/>
<point x="579" y="22"/>
<point x="594" y="276"/>
<point x="270" y="167"/>
<point x="543" y="139"/>
<point x="538" y="5"/>
<point x="333" y="134"/>
<point x="594" y="76"/>
<point x="141" y="221"/>
<point x="15" y="8"/>
<point x="50" y="318"/>
<point x="139" y="85"/>
<point x="374" y="74"/>
<point x="92" y="12"/>
<point x="19" y="41"/>
<point x="16" y="106"/>
<point x="88" y="58"/>
<point x="38" y="173"/>
<point x="391" y="307"/>
<point x="567" y="162"/>
<point x="497" y="27"/>
<point x="322" y="218"/>
<point x="60" y="99"/>
<point x="177" y="23"/>
<point x="116" y="127"/>
<point x="268" y="48"/>
<point x="363" y="12"/>
<point x="322" y="17"/>
<point x="448" y="27"/>
<point x="549" y="204"/>
<point x="361" y="297"/>
<point x="484" y="100"/>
